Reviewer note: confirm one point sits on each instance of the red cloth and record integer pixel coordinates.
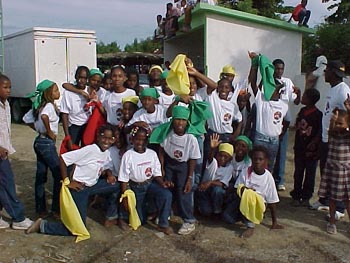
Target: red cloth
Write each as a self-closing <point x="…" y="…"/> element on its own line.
<point x="64" y="148"/>
<point x="296" y="12"/>
<point x="94" y="123"/>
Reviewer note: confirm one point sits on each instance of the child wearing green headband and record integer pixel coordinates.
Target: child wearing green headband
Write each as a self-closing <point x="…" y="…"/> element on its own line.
<point x="178" y="153"/>
<point x="46" y="118"/>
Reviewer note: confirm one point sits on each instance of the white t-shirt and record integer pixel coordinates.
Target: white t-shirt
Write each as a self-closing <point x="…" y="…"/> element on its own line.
<point x="263" y="184"/>
<point x="213" y="172"/>
<point x="269" y="115"/>
<point x="113" y="105"/>
<point x="334" y="99"/>
<point x="152" y="119"/>
<point x="114" y="160"/>
<point x="51" y="113"/>
<point x="73" y="105"/>
<point x="181" y="148"/>
<point x="101" y="94"/>
<point x="239" y="167"/>
<point x="224" y="113"/>
<point x="166" y="100"/>
<point x="139" y="167"/>
<point x="89" y="162"/>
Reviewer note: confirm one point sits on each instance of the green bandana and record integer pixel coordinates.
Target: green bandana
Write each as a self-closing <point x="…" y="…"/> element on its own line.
<point x="95" y="71"/>
<point x="149" y="92"/>
<point x="38" y="93"/>
<point x="245" y="139"/>
<point x="266" y="70"/>
<point x="160" y="133"/>
<point x="200" y="113"/>
<point x="165" y="74"/>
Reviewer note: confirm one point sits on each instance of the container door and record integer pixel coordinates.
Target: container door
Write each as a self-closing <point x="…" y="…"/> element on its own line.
<point x="51" y="60"/>
<point x="80" y="52"/>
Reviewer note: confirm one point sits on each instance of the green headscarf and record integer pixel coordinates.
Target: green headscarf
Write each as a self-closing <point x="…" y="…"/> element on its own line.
<point x="160" y="133"/>
<point x="200" y="113"/>
<point x="267" y="70"/>
<point x="165" y="74"/>
<point x="150" y="92"/>
<point x="38" y="93"/>
<point x="95" y="71"/>
<point x="248" y="142"/>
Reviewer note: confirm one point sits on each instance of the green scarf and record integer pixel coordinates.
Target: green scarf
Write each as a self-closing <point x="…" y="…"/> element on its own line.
<point x="150" y="92"/>
<point x="245" y="139"/>
<point x="267" y="70"/>
<point x="200" y="113"/>
<point x="38" y="93"/>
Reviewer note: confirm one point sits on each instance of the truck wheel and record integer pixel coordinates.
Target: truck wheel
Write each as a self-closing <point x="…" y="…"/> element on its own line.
<point x="17" y="111"/>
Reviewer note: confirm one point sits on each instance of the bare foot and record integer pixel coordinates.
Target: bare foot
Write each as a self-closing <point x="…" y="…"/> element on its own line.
<point x="166" y="230"/>
<point x="109" y="223"/>
<point x="123" y="225"/>
<point x="247" y="233"/>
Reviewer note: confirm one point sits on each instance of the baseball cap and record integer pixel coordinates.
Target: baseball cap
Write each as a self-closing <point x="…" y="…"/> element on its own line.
<point x="337" y="67"/>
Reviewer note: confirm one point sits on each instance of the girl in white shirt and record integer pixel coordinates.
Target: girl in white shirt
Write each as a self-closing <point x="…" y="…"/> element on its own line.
<point x="46" y="119"/>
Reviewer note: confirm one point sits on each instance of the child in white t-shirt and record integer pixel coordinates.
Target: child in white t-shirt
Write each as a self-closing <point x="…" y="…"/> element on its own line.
<point x="166" y="95"/>
<point x="112" y="103"/>
<point x="74" y="116"/>
<point x="86" y="181"/>
<point x="140" y="169"/>
<point x="178" y="154"/>
<point x="46" y="118"/>
<point x="130" y="106"/>
<point x="216" y="178"/>
<point x="261" y="181"/>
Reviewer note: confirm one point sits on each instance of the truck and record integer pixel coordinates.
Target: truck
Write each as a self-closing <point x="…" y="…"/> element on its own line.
<point x="39" y="53"/>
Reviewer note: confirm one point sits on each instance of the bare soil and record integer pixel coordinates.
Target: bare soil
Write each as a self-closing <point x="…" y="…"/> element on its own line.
<point x="303" y="240"/>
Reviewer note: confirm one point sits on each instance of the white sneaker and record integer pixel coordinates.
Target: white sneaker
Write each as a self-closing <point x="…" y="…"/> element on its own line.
<point x="186" y="228"/>
<point x="281" y="187"/>
<point x="3" y="224"/>
<point x="318" y="206"/>
<point x="338" y="216"/>
<point x="25" y="224"/>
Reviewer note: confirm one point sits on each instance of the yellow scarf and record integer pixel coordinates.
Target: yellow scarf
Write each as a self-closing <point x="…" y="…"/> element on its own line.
<point x="178" y="80"/>
<point x="134" y="220"/>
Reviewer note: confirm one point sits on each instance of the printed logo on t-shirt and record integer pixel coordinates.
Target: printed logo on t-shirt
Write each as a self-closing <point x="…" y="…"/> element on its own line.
<point x="327" y="109"/>
<point x="119" y="114"/>
<point x="277" y="116"/>
<point x="304" y="128"/>
<point x="227" y="117"/>
<point x="148" y="172"/>
<point x="177" y="154"/>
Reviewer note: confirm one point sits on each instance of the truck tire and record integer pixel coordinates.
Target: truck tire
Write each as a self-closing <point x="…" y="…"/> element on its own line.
<point x="17" y="112"/>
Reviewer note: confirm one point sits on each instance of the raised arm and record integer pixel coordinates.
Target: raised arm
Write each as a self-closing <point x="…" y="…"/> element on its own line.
<point x="211" y="84"/>
<point x="253" y="73"/>
<point x="72" y="88"/>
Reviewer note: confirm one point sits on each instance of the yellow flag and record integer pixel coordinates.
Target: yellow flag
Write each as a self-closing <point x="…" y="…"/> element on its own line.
<point x="178" y="80"/>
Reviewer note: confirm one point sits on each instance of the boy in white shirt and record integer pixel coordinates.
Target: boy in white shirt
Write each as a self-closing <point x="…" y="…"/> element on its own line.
<point x="140" y="169"/>
<point x="86" y="181"/>
<point x="261" y="181"/>
<point x="216" y="178"/>
<point x="178" y="154"/>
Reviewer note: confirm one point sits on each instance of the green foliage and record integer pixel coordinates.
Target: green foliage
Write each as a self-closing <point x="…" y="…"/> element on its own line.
<point x="103" y="48"/>
<point x="146" y="45"/>
<point x="246" y="6"/>
<point x="342" y="13"/>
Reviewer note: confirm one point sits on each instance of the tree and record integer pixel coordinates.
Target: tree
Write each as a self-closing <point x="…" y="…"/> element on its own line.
<point x="112" y="47"/>
<point x="146" y="45"/>
<point x="342" y="13"/>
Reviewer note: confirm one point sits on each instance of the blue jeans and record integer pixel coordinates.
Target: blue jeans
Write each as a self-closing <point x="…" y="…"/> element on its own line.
<point x="8" y="197"/>
<point x="211" y="200"/>
<point x="280" y="164"/>
<point x="159" y="196"/>
<point x="176" y="172"/>
<point x="304" y="16"/>
<point x="232" y="214"/>
<point x="271" y="144"/>
<point x="76" y="133"/>
<point x="81" y="199"/>
<point x="199" y="164"/>
<point x="47" y="157"/>
<point x="304" y="177"/>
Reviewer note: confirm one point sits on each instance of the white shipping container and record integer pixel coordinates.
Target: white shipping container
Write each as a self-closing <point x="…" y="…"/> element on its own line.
<point x="41" y="53"/>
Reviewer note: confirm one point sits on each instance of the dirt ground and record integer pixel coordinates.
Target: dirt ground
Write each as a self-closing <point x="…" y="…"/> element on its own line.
<point x="303" y="240"/>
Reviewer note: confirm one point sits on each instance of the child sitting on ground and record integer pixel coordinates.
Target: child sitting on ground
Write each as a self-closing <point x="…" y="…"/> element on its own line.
<point x="307" y="138"/>
<point x="141" y="170"/>
<point x="335" y="179"/>
<point x="216" y="178"/>
<point x="260" y="180"/>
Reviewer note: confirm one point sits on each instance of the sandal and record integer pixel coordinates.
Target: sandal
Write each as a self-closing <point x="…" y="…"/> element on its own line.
<point x="331" y="229"/>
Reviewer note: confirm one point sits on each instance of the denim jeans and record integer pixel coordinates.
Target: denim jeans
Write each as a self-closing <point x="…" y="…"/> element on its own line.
<point x="271" y="144"/>
<point x="8" y="197"/>
<point x="160" y="197"/>
<point x="280" y="164"/>
<point x="304" y="16"/>
<point x="304" y="177"/>
<point x="81" y="199"/>
<point x="232" y="214"/>
<point x="76" y="133"/>
<point x="212" y="200"/>
<point x="47" y="157"/>
<point x="176" y="172"/>
<point x="199" y="164"/>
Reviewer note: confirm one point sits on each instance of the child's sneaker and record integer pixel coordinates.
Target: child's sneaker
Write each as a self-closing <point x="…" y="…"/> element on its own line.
<point x="319" y="206"/>
<point x="281" y="187"/>
<point x="24" y="225"/>
<point x="331" y="229"/>
<point x="338" y="216"/>
<point x="186" y="228"/>
<point x="3" y="224"/>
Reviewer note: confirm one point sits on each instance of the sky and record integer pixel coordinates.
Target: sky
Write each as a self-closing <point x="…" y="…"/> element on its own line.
<point x="113" y="20"/>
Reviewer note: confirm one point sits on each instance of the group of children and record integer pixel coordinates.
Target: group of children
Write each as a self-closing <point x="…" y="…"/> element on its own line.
<point x="178" y="153"/>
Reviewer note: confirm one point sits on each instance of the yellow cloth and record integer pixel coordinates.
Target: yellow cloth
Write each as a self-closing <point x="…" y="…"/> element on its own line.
<point x="178" y="80"/>
<point x="70" y="215"/>
<point x="134" y="220"/>
<point x="227" y="148"/>
<point x="252" y="205"/>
